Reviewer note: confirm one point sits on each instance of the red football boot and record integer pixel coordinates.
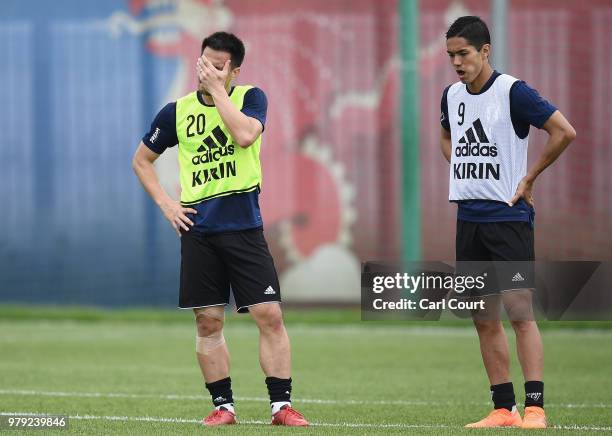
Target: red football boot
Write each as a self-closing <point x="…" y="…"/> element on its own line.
<point x="290" y="417"/>
<point x="219" y="417"/>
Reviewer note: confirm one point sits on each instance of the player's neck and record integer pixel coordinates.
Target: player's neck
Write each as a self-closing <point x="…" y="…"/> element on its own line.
<point x="208" y="98"/>
<point x="480" y="81"/>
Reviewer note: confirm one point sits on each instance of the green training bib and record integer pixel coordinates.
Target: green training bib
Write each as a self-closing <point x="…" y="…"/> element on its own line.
<point x="211" y="164"/>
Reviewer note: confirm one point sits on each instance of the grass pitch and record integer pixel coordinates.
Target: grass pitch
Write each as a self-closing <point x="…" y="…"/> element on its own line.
<point x="138" y="375"/>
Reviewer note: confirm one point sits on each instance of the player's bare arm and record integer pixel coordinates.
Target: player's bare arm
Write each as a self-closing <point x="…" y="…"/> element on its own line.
<point x="445" y="144"/>
<point x="561" y="134"/>
<point x="145" y="170"/>
<point x="245" y="130"/>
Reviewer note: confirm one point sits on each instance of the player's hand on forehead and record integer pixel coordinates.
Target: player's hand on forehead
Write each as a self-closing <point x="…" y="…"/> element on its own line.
<point x="204" y="62"/>
<point x="210" y="77"/>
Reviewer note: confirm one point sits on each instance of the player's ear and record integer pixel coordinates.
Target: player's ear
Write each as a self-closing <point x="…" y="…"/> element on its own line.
<point x="235" y="72"/>
<point x="486" y="51"/>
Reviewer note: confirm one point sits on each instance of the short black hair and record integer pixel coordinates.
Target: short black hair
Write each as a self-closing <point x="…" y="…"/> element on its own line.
<point x="472" y="28"/>
<point x="227" y="42"/>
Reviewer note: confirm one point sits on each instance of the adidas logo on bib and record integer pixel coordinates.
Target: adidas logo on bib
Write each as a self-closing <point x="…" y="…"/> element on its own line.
<point x="269" y="291"/>
<point x="518" y="278"/>
<point x="475" y="143"/>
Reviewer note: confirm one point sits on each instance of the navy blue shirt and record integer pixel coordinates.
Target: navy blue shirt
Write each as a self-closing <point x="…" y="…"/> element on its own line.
<point x="527" y="108"/>
<point x="229" y="213"/>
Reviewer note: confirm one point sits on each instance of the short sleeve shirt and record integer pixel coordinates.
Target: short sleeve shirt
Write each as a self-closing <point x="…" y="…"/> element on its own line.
<point x="229" y="213"/>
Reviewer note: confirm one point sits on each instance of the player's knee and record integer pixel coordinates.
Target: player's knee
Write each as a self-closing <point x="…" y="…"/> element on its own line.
<point x="274" y="324"/>
<point x="208" y="325"/>
<point x="487" y="327"/>
<point x="522" y="327"/>
<point x="210" y="333"/>
<point x="270" y="319"/>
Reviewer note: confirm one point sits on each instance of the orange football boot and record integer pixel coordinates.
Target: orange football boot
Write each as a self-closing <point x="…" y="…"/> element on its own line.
<point x="499" y="418"/>
<point x="534" y="417"/>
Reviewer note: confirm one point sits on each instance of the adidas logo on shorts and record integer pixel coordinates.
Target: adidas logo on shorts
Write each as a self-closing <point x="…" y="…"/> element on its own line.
<point x="269" y="291"/>
<point x="518" y="278"/>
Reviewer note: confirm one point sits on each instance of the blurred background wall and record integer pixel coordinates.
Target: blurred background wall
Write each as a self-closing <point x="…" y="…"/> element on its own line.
<point x="82" y="80"/>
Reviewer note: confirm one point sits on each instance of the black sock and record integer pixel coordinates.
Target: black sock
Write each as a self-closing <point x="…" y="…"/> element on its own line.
<point x="503" y="396"/>
<point x="221" y="391"/>
<point x="279" y="389"/>
<point x="534" y="393"/>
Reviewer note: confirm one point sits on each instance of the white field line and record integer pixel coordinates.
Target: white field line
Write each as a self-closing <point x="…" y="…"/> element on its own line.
<point x="266" y="400"/>
<point x="313" y="424"/>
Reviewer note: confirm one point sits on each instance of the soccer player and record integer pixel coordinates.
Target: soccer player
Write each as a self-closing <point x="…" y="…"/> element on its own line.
<point x="218" y="129"/>
<point x="485" y="120"/>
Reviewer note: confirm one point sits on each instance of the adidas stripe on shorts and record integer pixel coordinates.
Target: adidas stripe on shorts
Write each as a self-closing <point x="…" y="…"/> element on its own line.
<point x="504" y="250"/>
<point x="212" y="265"/>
